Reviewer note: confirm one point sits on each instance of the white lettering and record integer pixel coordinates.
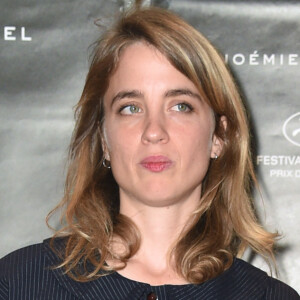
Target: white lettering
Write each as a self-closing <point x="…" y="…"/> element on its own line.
<point x="268" y="59"/>
<point x="281" y="173"/>
<point x="252" y="58"/>
<point x="239" y="61"/>
<point x="23" y="35"/>
<point x="292" y="58"/>
<point x="8" y="31"/>
<point x="281" y="59"/>
<point x="226" y="58"/>
<point x="291" y="159"/>
<point x="278" y="160"/>
<point x="259" y="159"/>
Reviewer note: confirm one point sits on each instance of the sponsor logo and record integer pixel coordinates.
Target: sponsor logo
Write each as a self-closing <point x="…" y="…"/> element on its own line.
<point x="263" y="59"/>
<point x="280" y="166"/>
<point x="278" y="160"/>
<point x="291" y="129"/>
<point x="13" y="33"/>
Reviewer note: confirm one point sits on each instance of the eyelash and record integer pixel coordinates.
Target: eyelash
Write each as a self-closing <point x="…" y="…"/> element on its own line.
<point x="125" y="106"/>
<point x="188" y="105"/>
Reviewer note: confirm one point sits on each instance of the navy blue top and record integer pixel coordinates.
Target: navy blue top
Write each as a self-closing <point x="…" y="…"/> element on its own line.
<point x="25" y="275"/>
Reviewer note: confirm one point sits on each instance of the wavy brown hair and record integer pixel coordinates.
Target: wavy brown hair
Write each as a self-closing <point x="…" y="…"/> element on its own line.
<point x="224" y="224"/>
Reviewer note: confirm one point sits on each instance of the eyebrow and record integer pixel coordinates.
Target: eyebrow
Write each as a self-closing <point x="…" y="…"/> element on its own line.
<point x="170" y="93"/>
<point x="126" y="94"/>
<point x="179" y="92"/>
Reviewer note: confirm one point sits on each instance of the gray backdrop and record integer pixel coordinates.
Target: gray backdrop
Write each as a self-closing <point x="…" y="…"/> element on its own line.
<point x="44" y="61"/>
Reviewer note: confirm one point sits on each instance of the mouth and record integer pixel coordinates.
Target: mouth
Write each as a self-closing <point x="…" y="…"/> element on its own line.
<point x="156" y="163"/>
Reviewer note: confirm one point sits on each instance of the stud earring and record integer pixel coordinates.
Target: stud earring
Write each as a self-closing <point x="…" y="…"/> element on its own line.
<point x="216" y="156"/>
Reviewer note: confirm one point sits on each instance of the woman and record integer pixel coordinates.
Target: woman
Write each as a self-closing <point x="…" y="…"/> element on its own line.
<point x="157" y="199"/>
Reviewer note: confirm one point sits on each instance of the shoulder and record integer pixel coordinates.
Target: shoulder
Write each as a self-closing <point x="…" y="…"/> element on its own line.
<point x="20" y="259"/>
<point x="30" y="258"/>
<point x="253" y="279"/>
<point x="27" y="272"/>
<point x="277" y="289"/>
<point x="17" y="266"/>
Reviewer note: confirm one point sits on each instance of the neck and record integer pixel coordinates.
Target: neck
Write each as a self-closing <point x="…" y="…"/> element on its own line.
<point x="160" y="228"/>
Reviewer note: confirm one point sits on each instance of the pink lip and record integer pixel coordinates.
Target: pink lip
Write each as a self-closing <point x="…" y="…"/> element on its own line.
<point x="157" y="163"/>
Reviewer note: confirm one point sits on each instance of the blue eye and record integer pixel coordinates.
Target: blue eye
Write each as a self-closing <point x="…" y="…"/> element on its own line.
<point x="182" y="107"/>
<point x="130" y="109"/>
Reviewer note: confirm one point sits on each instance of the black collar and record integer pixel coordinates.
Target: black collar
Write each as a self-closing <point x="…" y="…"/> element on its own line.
<point x="240" y="279"/>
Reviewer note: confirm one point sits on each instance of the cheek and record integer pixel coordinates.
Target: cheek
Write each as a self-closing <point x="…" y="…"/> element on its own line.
<point x="196" y="152"/>
<point x="120" y="141"/>
<point x="195" y="138"/>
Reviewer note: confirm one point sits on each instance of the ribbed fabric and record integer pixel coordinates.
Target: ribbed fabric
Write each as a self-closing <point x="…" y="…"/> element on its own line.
<point x="26" y="275"/>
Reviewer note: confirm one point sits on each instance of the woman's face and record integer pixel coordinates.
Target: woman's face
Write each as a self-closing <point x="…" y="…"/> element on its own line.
<point x="158" y="132"/>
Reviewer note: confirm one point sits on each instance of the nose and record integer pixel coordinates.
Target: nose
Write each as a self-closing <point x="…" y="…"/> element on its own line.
<point x="155" y="131"/>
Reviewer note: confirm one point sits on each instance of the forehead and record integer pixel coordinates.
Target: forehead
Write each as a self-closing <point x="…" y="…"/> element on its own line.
<point x="140" y="55"/>
<point x="143" y="66"/>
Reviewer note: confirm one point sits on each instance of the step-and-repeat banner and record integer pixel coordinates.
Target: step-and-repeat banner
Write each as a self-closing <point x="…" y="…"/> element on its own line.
<point x="44" y="50"/>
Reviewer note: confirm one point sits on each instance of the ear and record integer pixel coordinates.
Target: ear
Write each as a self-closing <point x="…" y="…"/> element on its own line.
<point x="217" y="142"/>
<point x="106" y="153"/>
<point x="104" y="143"/>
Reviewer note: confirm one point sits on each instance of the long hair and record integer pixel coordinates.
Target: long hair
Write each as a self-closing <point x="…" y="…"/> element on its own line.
<point x="224" y="222"/>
